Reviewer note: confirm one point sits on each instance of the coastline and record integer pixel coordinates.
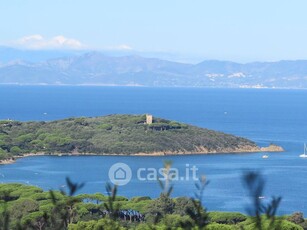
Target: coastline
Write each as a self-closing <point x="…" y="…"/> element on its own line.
<point x="199" y="151"/>
<point x="7" y="161"/>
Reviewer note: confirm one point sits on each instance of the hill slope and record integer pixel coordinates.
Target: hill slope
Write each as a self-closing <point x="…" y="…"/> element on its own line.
<point x="95" y="68"/>
<point x="115" y="134"/>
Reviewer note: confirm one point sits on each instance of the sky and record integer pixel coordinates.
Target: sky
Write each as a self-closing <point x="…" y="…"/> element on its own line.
<point x="236" y="30"/>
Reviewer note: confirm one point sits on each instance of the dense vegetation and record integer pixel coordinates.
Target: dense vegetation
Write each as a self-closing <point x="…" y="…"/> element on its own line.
<point x="114" y="134"/>
<point x="28" y="207"/>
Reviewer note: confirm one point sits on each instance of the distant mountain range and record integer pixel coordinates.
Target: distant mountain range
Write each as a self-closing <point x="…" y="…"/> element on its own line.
<point x="95" y="68"/>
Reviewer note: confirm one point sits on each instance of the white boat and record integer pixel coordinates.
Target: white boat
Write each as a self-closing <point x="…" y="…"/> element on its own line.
<point x="265" y="156"/>
<point x="304" y="155"/>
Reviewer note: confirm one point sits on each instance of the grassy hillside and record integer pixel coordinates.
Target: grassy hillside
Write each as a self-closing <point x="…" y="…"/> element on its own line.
<point x="114" y="134"/>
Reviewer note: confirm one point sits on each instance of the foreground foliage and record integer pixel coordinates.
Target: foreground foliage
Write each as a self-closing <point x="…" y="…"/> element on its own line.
<point x="24" y="207"/>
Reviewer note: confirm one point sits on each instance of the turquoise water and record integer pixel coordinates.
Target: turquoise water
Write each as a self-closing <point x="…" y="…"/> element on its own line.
<point x="265" y="116"/>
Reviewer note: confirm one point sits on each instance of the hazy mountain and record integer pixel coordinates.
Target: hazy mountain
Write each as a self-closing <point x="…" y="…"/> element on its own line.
<point x="98" y="69"/>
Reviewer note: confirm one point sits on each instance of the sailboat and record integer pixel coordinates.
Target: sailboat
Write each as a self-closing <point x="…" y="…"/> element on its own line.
<point x="304" y="155"/>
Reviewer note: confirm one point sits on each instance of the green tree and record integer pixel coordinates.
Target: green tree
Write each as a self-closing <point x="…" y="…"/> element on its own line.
<point x="22" y="207"/>
<point x="182" y="204"/>
<point x="35" y="220"/>
<point x="159" y="208"/>
<point x="15" y="150"/>
<point x="102" y="224"/>
<point x="226" y="217"/>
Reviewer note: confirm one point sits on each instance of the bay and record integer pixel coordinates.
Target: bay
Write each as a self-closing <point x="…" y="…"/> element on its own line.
<point x="262" y="115"/>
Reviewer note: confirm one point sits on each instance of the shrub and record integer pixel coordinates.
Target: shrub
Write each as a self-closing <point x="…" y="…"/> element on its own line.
<point x="296" y="218"/>
<point x="216" y="226"/>
<point x="139" y="198"/>
<point x="226" y="217"/>
<point x="279" y="224"/>
<point x="105" y="224"/>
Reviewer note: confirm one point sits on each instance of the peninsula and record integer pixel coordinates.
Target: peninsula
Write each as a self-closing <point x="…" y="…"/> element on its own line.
<point x="116" y="134"/>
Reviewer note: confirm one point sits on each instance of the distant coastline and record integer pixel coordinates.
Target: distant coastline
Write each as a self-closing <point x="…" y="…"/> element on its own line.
<point x="146" y="86"/>
<point x="96" y="68"/>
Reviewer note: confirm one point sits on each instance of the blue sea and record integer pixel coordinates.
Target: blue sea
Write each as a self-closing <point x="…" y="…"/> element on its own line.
<point x="262" y="115"/>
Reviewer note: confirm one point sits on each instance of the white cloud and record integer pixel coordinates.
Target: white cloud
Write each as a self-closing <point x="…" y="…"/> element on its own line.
<point x="122" y="47"/>
<point x="37" y="41"/>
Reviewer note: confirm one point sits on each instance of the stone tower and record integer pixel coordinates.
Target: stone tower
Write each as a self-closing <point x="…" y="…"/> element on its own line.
<point x="148" y="119"/>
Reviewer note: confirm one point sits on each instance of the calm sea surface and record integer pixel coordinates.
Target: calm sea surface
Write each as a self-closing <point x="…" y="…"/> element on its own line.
<point x="264" y="116"/>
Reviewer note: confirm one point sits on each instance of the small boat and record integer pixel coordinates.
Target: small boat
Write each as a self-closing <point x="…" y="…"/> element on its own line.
<point x="265" y="156"/>
<point x="304" y="155"/>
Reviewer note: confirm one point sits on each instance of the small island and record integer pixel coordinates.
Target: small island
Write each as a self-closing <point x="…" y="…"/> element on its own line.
<point x="116" y="135"/>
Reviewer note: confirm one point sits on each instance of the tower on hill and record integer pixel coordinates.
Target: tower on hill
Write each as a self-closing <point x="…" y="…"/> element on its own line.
<point x="149" y="119"/>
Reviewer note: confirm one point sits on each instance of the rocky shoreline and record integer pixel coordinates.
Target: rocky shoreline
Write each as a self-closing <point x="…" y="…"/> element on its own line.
<point x="272" y="148"/>
<point x="7" y="161"/>
<point x="200" y="150"/>
<point x="203" y="150"/>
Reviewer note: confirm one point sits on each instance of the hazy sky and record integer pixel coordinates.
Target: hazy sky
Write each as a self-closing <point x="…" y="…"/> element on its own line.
<point x="238" y="30"/>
